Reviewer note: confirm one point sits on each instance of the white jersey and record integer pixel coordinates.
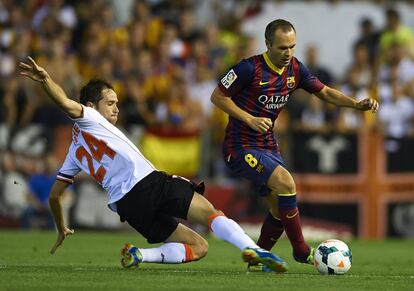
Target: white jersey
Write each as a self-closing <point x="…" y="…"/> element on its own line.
<point x="106" y="154"/>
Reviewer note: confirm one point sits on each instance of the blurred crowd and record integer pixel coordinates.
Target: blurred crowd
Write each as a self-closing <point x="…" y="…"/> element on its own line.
<point x="381" y="67"/>
<point x="164" y="59"/>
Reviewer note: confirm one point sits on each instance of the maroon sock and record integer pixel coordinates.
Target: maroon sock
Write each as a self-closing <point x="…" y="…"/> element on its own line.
<point x="290" y="219"/>
<point x="271" y="231"/>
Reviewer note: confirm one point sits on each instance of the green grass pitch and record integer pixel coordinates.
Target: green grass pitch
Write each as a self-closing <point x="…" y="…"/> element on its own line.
<point x="90" y="261"/>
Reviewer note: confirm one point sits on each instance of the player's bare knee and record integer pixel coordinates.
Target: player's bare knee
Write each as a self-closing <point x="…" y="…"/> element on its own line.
<point x="288" y="187"/>
<point x="282" y="186"/>
<point x="281" y="181"/>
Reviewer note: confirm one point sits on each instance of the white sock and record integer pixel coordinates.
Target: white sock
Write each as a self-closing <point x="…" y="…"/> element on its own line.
<point x="168" y="253"/>
<point x="228" y="230"/>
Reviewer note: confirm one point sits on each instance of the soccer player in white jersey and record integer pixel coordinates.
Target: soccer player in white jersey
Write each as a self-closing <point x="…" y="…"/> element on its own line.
<point x="148" y="199"/>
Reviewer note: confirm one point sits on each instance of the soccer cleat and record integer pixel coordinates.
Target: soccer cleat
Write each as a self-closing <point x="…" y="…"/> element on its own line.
<point x="252" y="268"/>
<point x="131" y="256"/>
<point x="308" y="259"/>
<point x="256" y="256"/>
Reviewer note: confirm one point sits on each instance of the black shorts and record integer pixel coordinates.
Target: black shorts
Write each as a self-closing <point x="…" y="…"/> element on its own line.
<point x="154" y="202"/>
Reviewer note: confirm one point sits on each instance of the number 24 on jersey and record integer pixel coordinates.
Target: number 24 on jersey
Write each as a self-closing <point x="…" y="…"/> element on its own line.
<point x="98" y="148"/>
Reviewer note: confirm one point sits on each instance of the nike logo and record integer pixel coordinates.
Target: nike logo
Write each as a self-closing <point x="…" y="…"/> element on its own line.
<point x="293" y="215"/>
<point x="261" y="83"/>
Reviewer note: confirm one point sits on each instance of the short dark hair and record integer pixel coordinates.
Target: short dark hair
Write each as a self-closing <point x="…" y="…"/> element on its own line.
<point x="92" y="92"/>
<point x="392" y="13"/>
<point x="275" y="25"/>
<point x="365" y="22"/>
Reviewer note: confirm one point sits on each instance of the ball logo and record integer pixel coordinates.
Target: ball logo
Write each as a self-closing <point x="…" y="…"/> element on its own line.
<point x="229" y="79"/>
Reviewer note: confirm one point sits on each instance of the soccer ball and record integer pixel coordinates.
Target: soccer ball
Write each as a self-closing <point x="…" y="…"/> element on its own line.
<point x="332" y="257"/>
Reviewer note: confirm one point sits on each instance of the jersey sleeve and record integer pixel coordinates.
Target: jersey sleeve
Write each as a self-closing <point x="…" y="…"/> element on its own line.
<point x="237" y="78"/>
<point x="69" y="169"/>
<point x="89" y="116"/>
<point x="308" y="81"/>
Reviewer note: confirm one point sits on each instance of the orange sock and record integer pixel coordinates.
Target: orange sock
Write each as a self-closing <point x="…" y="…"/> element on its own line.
<point x="212" y="217"/>
<point x="189" y="256"/>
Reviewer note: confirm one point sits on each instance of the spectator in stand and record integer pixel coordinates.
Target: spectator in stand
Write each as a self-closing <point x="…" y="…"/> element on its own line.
<point x="137" y="37"/>
<point x="138" y="109"/>
<point x="153" y="24"/>
<point x="314" y="117"/>
<point x="351" y="120"/>
<point x="187" y="30"/>
<point x="396" y="32"/>
<point x="215" y="47"/>
<point x="14" y="187"/>
<point x="397" y="113"/>
<point x="312" y="62"/>
<point x="369" y="37"/>
<point x="59" y="9"/>
<point x="361" y="67"/>
<point x="37" y="213"/>
<point x="122" y="64"/>
<point x="200" y="89"/>
<point x="397" y="65"/>
<point x="8" y="104"/>
<point x="184" y="113"/>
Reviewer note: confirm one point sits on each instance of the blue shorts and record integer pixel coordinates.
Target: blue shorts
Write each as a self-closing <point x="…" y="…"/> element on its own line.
<point x="255" y="165"/>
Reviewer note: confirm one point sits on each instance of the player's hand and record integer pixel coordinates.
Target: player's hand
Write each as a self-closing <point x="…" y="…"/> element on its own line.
<point x="260" y="124"/>
<point x="61" y="237"/>
<point x="33" y="71"/>
<point x="368" y="104"/>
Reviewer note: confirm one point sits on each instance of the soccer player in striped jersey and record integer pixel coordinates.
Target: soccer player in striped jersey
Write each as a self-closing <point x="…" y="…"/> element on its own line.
<point x="253" y="93"/>
<point x="149" y="200"/>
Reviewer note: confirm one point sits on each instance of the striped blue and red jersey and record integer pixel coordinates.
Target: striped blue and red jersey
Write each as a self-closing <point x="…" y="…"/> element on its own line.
<point x="261" y="89"/>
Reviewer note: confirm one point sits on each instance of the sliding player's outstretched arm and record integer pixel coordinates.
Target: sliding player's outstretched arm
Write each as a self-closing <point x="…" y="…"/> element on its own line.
<point x="56" y="207"/>
<point x="55" y="92"/>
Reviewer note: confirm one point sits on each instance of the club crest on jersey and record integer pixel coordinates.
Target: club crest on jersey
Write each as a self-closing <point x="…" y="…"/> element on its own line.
<point x="229" y="79"/>
<point x="290" y="82"/>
